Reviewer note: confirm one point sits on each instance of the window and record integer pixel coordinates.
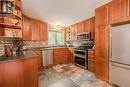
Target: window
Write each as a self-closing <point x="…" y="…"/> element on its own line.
<point x="56" y="38"/>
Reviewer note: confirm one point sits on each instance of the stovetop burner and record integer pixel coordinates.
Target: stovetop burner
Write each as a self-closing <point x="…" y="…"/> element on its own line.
<point x="85" y="46"/>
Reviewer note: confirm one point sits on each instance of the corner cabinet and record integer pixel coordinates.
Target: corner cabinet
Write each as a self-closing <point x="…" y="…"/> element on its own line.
<point x="101" y="52"/>
<point x="19" y="73"/>
<point x="120" y="11"/>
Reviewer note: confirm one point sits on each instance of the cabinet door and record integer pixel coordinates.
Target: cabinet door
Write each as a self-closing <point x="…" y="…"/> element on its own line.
<point x="35" y="30"/>
<point x="80" y="27"/>
<point x="101" y="41"/>
<point x="75" y="29"/>
<point x="12" y="74"/>
<point x="43" y="31"/>
<point x="102" y="69"/>
<point x="92" y="28"/>
<point x="39" y="59"/>
<point x="26" y="28"/>
<point x="30" y="73"/>
<point x="102" y="15"/>
<point x="119" y="11"/>
<point x="71" y="55"/>
<point x="87" y="25"/>
<point x="60" y="55"/>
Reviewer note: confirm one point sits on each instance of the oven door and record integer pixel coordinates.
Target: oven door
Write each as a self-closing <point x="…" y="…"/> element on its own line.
<point x="82" y="62"/>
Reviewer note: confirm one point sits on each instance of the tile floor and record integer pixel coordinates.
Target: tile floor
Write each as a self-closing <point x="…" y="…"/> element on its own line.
<point x="69" y="75"/>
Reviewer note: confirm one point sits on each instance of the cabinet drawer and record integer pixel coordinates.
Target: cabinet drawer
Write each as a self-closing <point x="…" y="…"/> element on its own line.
<point x="91" y="63"/>
<point x="92" y="69"/>
<point x="91" y="57"/>
<point x="91" y="53"/>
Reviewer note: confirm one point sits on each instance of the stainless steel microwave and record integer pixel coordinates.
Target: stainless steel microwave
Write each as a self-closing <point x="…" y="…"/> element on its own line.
<point x="84" y="36"/>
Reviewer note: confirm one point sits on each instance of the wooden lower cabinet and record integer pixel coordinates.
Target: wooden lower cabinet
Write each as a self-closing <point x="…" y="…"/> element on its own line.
<point x="19" y="73"/>
<point x="80" y="27"/>
<point x="71" y="55"/>
<point x="101" y="52"/>
<point x="91" y="60"/>
<point x="60" y="55"/>
<point x="39" y="59"/>
<point x="102" y="69"/>
<point x="30" y="73"/>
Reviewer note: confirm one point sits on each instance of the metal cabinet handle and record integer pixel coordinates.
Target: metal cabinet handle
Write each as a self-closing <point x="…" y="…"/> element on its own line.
<point x="110" y="47"/>
<point x="107" y="14"/>
<point x="127" y="8"/>
<point x="120" y="66"/>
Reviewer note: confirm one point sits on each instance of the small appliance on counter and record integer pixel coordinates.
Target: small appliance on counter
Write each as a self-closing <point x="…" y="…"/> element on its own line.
<point x="18" y="45"/>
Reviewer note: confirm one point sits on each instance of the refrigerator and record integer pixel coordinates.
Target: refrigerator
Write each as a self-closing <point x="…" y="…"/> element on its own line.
<point x="119" y="56"/>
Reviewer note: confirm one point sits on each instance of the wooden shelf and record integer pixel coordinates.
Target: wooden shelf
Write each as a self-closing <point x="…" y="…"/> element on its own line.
<point x="17" y="17"/>
<point x="11" y="16"/>
<point x="17" y="7"/>
<point x="7" y="1"/>
<point x="10" y="26"/>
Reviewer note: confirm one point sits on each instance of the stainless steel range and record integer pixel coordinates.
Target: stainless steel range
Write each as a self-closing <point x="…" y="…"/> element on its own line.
<point x="81" y="55"/>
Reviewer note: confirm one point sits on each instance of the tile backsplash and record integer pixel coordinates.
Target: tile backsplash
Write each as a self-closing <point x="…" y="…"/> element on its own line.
<point x="25" y="44"/>
<point x="34" y="44"/>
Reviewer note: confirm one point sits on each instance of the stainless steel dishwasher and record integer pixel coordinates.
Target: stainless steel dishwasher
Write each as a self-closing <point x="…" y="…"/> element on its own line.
<point x="47" y="57"/>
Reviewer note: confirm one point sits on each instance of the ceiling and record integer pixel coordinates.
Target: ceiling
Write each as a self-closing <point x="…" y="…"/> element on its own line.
<point x="62" y="12"/>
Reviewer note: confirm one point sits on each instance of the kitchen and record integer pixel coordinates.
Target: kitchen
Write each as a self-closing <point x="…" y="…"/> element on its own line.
<point x="60" y="45"/>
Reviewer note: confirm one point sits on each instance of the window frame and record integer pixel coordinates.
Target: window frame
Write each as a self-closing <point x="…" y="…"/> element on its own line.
<point x="56" y="40"/>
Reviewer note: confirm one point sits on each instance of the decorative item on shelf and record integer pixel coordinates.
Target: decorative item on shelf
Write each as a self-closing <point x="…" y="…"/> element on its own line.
<point x="7" y="8"/>
<point x="8" y="50"/>
<point x="18" y="45"/>
<point x="2" y="50"/>
<point x="14" y="21"/>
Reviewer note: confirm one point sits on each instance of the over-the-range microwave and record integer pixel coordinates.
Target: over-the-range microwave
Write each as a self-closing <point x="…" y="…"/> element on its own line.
<point x="84" y="36"/>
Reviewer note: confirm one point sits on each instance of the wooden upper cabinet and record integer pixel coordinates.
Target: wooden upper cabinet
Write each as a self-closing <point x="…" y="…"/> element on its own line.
<point x="26" y="28"/>
<point x="119" y="11"/>
<point x="101" y="53"/>
<point x="75" y="29"/>
<point x="80" y="27"/>
<point x="92" y="28"/>
<point x="34" y="29"/>
<point x="87" y="25"/>
<point x="39" y="30"/>
<point x="43" y="31"/>
<point x="102" y="15"/>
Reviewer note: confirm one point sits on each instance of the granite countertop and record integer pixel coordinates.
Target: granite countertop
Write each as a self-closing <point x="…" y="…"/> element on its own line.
<point x="25" y="55"/>
<point x="46" y="48"/>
